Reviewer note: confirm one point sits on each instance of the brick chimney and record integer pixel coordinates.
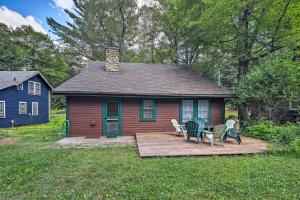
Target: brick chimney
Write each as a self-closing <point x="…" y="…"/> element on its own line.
<point x="112" y="59"/>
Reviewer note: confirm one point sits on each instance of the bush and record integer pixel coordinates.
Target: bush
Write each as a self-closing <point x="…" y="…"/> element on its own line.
<point x="287" y="135"/>
<point x="295" y="146"/>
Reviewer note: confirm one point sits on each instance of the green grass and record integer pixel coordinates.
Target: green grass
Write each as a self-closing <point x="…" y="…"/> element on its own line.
<point x="229" y="112"/>
<point x="56" y="111"/>
<point x="34" y="168"/>
<point x="38" y="132"/>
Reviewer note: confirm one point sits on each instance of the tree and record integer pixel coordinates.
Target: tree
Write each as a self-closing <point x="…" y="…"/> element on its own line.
<point x="246" y="31"/>
<point x="268" y="88"/>
<point x="97" y="24"/>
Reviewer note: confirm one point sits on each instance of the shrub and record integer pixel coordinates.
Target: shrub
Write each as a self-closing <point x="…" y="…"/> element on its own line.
<point x="287" y="135"/>
<point x="295" y="146"/>
<point x="279" y="134"/>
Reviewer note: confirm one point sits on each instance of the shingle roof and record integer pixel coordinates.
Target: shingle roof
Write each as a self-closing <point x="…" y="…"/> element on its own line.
<point x="11" y="78"/>
<point x="141" y="79"/>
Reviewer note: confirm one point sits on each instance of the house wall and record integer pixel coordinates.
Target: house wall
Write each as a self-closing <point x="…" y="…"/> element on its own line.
<point x="83" y="111"/>
<point x="12" y="97"/>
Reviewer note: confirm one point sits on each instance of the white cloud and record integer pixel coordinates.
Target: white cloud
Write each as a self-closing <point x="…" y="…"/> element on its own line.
<point x="15" y="19"/>
<point x="64" y="4"/>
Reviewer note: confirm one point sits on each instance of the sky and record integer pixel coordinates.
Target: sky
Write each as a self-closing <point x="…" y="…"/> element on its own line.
<point x="34" y="13"/>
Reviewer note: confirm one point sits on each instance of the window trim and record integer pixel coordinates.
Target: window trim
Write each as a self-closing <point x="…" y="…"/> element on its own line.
<point x="22" y="88"/>
<point x="29" y="88"/>
<point x="37" y="103"/>
<point x="22" y="102"/>
<point x="291" y="105"/>
<point x="34" y="88"/>
<point x="40" y="89"/>
<point x="195" y="110"/>
<point x="208" y="111"/>
<point x="4" y="110"/>
<point x="154" y="111"/>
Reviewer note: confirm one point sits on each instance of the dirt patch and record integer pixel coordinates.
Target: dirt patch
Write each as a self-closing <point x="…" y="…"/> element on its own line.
<point x="8" y="140"/>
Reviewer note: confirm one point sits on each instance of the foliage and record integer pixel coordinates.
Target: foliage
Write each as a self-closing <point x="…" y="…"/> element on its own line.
<point x="295" y="146"/>
<point x="286" y="135"/>
<point x="25" y="49"/>
<point x="35" y="168"/>
<point x="96" y="24"/>
<point x="268" y="88"/>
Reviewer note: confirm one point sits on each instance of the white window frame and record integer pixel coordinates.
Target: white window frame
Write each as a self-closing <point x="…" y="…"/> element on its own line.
<point x="4" y="111"/>
<point x="291" y="107"/>
<point x="37" y="108"/>
<point x="21" y="88"/>
<point x="37" y="92"/>
<point x="203" y="110"/>
<point x="25" y="112"/>
<point x="186" y="109"/>
<point x="31" y="92"/>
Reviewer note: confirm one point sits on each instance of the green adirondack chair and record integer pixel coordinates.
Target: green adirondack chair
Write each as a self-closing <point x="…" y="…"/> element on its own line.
<point x="218" y="133"/>
<point x="232" y="132"/>
<point x="192" y="130"/>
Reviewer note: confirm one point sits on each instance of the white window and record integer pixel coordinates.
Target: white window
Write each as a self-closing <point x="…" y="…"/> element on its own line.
<point x="203" y="110"/>
<point x="37" y="88"/>
<point x="295" y="105"/>
<point x="35" y="109"/>
<point x="148" y="110"/>
<point x="20" y="86"/>
<point x="34" y="88"/>
<point x="2" y="109"/>
<point x="187" y="110"/>
<point x="22" y="107"/>
<point x="31" y="87"/>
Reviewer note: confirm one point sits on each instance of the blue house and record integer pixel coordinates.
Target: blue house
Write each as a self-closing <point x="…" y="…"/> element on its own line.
<point x="24" y="98"/>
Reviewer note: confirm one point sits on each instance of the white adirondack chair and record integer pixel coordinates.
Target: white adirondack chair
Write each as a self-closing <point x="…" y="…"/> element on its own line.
<point x="230" y="123"/>
<point x="179" y="128"/>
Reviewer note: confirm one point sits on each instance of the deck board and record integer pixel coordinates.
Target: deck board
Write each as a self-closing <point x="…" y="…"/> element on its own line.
<point x="155" y="144"/>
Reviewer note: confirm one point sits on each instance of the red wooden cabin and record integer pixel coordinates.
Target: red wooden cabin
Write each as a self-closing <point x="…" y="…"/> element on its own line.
<point x="114" y="99"/>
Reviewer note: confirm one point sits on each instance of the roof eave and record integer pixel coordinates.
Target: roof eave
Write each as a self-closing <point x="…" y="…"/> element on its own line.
<point x="80" y="93"/>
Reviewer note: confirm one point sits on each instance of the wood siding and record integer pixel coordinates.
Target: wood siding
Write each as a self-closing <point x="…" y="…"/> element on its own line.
<point x="12" y="97"/>
<point x="167" y="109"/>
<point x="217" y="112"/>
<point x="84" y="110"/>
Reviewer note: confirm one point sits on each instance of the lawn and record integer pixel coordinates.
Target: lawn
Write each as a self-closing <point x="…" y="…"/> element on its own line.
<point x="34" y="168"/>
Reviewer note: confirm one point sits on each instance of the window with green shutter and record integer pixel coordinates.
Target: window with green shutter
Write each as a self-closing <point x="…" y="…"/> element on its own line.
<point x="148" y="110"/>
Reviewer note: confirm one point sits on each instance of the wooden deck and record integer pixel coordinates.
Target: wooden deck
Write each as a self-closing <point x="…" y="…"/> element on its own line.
<point x="168" y="144"/>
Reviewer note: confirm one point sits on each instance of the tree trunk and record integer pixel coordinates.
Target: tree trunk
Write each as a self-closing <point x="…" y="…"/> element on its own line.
<point x="244" y="55"/>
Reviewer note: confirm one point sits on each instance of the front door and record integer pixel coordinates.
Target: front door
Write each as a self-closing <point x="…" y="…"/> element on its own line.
<point x="112" y="118"/>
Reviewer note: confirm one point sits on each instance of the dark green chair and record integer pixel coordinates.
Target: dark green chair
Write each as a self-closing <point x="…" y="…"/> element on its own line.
<point x="232" y="132"/>
<point x="192" y="130"/>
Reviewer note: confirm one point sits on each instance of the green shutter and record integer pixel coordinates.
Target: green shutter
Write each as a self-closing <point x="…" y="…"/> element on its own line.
<point x="209" y="113"/>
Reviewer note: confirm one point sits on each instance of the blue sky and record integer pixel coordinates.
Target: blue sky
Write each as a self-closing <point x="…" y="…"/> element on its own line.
<point x="33" y="12"/>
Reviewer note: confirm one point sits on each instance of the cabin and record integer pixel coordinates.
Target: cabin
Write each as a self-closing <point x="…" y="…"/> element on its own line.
<point x="120" y="99"/>
<point x="24" y="98"/>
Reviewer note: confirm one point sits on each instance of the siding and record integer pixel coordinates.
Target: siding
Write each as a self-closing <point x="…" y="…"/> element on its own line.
<point x="84" y="110"/>
<point x="167" y="109"/>
<point x="12" y="97"/>
<point x="217" y="112"/>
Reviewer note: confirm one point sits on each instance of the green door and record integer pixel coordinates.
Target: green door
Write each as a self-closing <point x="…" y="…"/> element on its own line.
<point x="112" y="115"/>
